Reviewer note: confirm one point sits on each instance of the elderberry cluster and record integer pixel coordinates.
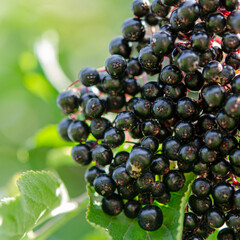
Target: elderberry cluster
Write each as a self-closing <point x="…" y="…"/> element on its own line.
<point x="171" y="90"/>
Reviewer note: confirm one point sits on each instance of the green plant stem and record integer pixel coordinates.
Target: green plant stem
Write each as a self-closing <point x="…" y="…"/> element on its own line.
<point x="54" y="224"/>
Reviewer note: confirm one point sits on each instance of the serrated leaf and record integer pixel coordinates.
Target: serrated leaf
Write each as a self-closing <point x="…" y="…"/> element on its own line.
<point x="40" y="193"/>
<point x="120" y="227"/>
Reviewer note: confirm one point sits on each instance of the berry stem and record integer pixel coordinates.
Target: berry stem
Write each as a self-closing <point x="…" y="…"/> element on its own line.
<point x="101" y="69"/>
<point x="73" y="83"/>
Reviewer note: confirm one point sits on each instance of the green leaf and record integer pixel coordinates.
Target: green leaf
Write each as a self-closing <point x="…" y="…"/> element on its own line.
<point x="40" y="193"/>
<point x="121" y="227"/>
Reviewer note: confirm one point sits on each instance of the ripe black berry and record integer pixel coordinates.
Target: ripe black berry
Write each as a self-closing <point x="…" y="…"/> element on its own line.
<point x="102" y="154"/>
<point x="67" y="101"/>
<point x="150" y="218"/>
<point x="104" y="185"/>
<point x="132" y="208"/>
<point x="174" y="180"/>
<point x="89" y="76"/>
<point x="112" y="205"/>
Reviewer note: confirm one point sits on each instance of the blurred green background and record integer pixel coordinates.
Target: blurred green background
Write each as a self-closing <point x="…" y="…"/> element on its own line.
<point x="79" y="31"/>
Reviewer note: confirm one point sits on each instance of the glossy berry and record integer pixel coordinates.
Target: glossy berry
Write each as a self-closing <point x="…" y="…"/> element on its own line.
<point x="222" y="193"/>
<point x="120" y="176"/>
<point x="89" y="76"/>
<point x="125" y="120"/>
<point x="78" y="131"/>
<point x="200" y="41"/>
<point x="199" y="205"/>
<point x="216" y="23"/>
<point x="139" y="160"/>
<point x="171" y="75"/>
<point x="140" y="8"/>
<point x="150" y="218"/>
<point x="230" y="42"/>
<point x="104" y="185"/>
<point x="187" y="108"/>
<point x="163" y="109"/>
<point x="200" y="167"/>
<point x="142" y="108"/>
<point x="228" y="144"/>
<point x="81" y="154"/>
<point x="116" y="66"/>
<point x="233" y="220"/>
<point x="67" y="101"/>
<point x="63" y="128"/>
<point x="232" y="106"/>
<point x="206" y="122"/>
<point x="190" y="221"/>
<point x="114" y="137"/>
<point x="92" y="173"/>
<point x="184" y="131"/>
<point x="151" y="91"/>
<point x="159" y="165"/>
<point x="102" y="155"/>
<point x="226" y="234"/>
<point x="158" y="188"/>
<point x="209" y="6"/>
<point x="148" y="60"/>
<point x="99" y="126"/>
<point x="131" y="86"/>
<point x="188" y="153"/>
<point x="162" y="43"/>
<point x="236" y="200"/>
<point x="220" y="168"/>
<point x="159" y="9"/>
<point x="194" y="81"/>
<point x="215" y="217"/>
<point x="174" y="180"/>
<point x="188" y="61"/>
<point x="212" y="71"/>
<point x="175" y="92"/>
<point x="170" y="148"/>
<point x="150" y="142"/>
<point x="120" y="46"/>
<point x="133" y="30"/>
<point x="112" y="205"/>
<point x="213" y="138"/>
<point x="236" y="84"/>
<point x="133" y="67"/>
<point x="128" y="191"/>
<point x="94" y="108"/>
<point x="132" y="208"/>
<point x="145" y="182"/>
<point x="121" y="158"/>
<point x="225" y="122"/>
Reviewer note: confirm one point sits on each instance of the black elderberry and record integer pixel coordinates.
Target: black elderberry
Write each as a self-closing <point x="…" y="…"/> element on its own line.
<point x="215" y="217"/>
<point x="67" y="101"/>
<point x="171" y="75"/>
<point x="131" y="86"/>
<point x="112" y="205"/>
<point x="175" y="92"/>
<point x="232" y="106"/>
<point x="132" y="208"/>
<point x="226" y="234"/>
<point x="94" y="108"/>
<point x="170" y="148"/>
<point x="133" y="67"/>
<point x="121" y="158"/>
<point x="89" y="76"/>
<point x="159" y="165"/>
<point x="184" y="131"/>
<point x="150" y="218"/>
<point x="216" y="23"/>
<point x="140" y="8"/>
<point x="115" y="102"/>
<point x="145" y="182"/>
<point x="102" y="154"/>
<point x="151" y="91"/>
<point x="120" y="46"/>
<point x="78" y="131"/>
<point x="174" y="180"/>
<point x="194" y="81"/>
<point x="188" y="61"/>
<point x="158" y="188"/>
<point x="220" y="168"/>
<point x="212" y="71"/>
<point x="128" y="191"/>
<point x="188" y="153"/>
<point x="233" y="220"/>
<point x="139" y="160"/>
<point x="99" y="126"/>
<point x="63" y="128"/>
<point x="199" y="205"/>
<point x="187" y="108"/>
<point x="120" y="176"/>
<point x="81" y="154"/>
<point x="150" y="142"/>
<point x="163" y="109"/>
<point x="222" y="193"/>
<point x="200" y="41"/>
<point x="213" y="138"/>
<point x="159" y="9"/>
<point x="142" y="108"/>
<point x="228" y="144"/>
<point x="125" y="120"/>
<point x="116" y="66"/>
<point x="104" y="185"/>
<point x="190" y="221"/>
<point x="92" y="173"/>
<point x="133" y="30"/>
<point x="114" y="137"/>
